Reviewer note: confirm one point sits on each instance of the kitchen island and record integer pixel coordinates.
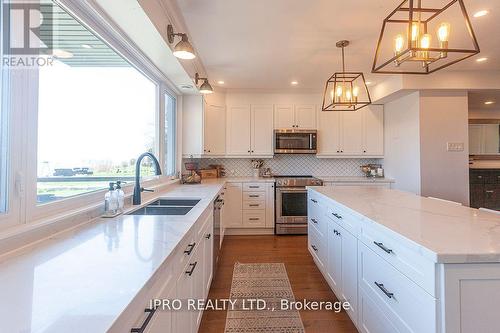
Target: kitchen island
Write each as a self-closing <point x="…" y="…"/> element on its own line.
<point x="407" y="263"/>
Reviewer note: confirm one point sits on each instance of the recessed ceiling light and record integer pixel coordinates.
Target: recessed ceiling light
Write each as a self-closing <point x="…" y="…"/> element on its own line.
<point x="62" y="54"/>
<point x="489" y="102"/>
<point x="86" y="46"/>
<point x="294" y="83"/>
<point x="481" y="59"/>
<point x="220" y="82"/>
<point x="481" y="13"/>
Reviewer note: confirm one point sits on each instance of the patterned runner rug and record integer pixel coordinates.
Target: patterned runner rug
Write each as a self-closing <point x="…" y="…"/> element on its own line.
<point x="268" y="282"/>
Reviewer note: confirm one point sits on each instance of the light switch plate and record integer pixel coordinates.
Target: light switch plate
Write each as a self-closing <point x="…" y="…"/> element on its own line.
<point x="455" y="146"/>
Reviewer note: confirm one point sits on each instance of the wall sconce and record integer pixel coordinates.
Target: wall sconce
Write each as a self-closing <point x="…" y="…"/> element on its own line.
<point x="205" y="87"/>
<point x="183" y="49"/>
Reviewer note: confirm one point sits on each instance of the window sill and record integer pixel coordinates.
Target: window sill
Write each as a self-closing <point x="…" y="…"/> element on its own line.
<point x="19" y="236"/>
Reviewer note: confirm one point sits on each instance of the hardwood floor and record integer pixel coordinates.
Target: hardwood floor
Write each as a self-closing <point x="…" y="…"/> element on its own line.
<point x="305" y="278"/>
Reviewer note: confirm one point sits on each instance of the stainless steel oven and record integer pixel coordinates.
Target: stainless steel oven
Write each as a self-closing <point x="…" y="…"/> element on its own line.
<point x="291" y="203"/>
<point x="295" y="141"/>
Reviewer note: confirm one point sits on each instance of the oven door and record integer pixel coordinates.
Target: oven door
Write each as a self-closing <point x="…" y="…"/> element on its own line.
<point x="291" y="205"/>
<point x="292" y="142"/>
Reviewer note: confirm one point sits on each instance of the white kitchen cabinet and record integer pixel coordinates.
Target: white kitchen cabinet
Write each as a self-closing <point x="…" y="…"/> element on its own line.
<point x="238" y="130"/>
<point x="208" y="248"/>
<point x="349" y="275"/>
<point x="233" y="206"/>
<point x="284" y="116"/>
<point x="262" y="130"/>
<point x="334" y="263"/>
<point x="250" y="130"/>
<point x="328" y="133"/>
<point x="373" y="130"/>
<point x="295" y="116"/>
<point x="214" y="131"/>
<point x="351" y="134"/>
<point x="204" y="128"/>
<point x="163" y="319"/>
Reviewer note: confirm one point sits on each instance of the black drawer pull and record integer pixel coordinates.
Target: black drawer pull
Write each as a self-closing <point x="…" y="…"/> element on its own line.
<point x="190" y="249"/>
<point x="254" y="196"/>
<point x="253" y="186"/>
<point x="254" y="205"/>
<point x="254" y="219"/>
<point x="385" y="291"/>
<point x="208" y="236"/>
<point x="315" y="201"/>
<point x="337" y="215"/>
<point x="383" y="247"/>
<point x="314" y="248"/>
<point x="314" y="221"/>
<point x="145" y="324"/>
<point x="336" y="232"/>
<point x="193" y="266"/>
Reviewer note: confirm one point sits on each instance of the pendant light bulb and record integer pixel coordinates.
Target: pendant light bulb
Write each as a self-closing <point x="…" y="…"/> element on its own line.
<point x="415" y="31"/>
<point x="425" y="41"/>
<point x="444" y="32"/>
<point x="348" y="95"/>
<point x="399" y="43"/>
<point x="355" y="91"/>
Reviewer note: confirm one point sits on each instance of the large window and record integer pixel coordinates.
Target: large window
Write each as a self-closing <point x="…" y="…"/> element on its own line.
<point x="170" y="135"/>
<point x="96" y="114"/>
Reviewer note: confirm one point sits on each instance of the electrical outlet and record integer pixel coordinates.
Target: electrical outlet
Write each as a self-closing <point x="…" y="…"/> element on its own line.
<point x="455" y="146"/>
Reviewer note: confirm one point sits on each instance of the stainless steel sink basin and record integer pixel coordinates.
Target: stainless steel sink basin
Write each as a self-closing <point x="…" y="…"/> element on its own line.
<point x="167" y="207"/>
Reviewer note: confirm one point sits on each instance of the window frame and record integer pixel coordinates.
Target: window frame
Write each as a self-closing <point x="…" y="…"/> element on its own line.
<point x="25" y="125"/>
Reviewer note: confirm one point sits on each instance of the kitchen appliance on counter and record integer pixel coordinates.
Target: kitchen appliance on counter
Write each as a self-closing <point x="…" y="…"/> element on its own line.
<point x="191" y="175"/>
<point x="218" y="203"/>
<point x="291" y="203"/>
<point x="373" y="170"/>
<point x="295" y="141"/>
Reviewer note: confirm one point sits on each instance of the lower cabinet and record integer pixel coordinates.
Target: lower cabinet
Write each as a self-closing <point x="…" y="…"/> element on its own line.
<point x="248" y="206"/>
<point x="485" y="188"/>
<point x="187" y="276"/>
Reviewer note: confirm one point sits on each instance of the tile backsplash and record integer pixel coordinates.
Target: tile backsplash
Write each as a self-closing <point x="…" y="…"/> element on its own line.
<point x="292" y="165"/>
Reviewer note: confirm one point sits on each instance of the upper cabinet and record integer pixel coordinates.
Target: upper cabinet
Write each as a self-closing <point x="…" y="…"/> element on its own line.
<point x="214" y="131"/>
<point x="295" y="116"/>
<point x="203" y="128"/>
<point x="250" y="131"/>
<point x="484" y="138"/>
<point x="352" y="134"/>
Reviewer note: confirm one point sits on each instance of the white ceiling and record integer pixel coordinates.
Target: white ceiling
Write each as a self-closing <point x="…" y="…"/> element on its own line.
<point x="477" y="99"/>
<point x="265" y="44"/>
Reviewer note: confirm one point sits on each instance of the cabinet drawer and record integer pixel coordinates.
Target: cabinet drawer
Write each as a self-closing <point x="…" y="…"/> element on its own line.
<point x="318" y="221"/>
<point x="476" y="177"/>
<point x="254" y="196"/>
<point x="404" y="256"/>
<point x="409" y="307"/>
<point x="255" y="219"/>
<point x="254" y="187"/>
<point x="252" y="205"/>
<point x="371" y="318"/>
<point x="348" y="221"/>
<point x="317" y="247"/>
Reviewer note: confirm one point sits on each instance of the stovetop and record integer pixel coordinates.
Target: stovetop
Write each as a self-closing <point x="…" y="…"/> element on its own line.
<point x="297" y="181"/>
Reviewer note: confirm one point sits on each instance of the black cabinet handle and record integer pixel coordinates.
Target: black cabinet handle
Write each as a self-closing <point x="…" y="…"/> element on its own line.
<point x="314" y="221"/>
<point x="314" y="248"/>
<point x="145" y="324"/>
<point x="254" y="196"/>
<point x="253" y="186"/>
<point x="315" y="201"/>
<point x="337" y="215"/>
<point x="193" y="266"/>
<point x="254" y="205"/>
<point x="385" y="291"/>
<point x="254" y="219"/>
<point x="208" y="236"/>
<point x="190" y="249"/>
<point x="383" y="247"/>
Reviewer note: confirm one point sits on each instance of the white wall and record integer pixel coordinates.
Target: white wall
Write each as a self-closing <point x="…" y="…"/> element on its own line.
<point x="402" y="142"/>
<point x="443" y="119"/>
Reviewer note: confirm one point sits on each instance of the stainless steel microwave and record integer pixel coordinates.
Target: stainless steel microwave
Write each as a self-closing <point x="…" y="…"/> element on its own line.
<point x="295" y="141"/>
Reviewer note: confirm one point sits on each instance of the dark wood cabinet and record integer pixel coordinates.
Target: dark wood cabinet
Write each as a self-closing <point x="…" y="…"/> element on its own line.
<point x="485" y="188"/>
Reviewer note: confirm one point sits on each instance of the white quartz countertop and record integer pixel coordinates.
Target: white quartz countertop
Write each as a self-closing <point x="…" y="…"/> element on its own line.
<point x="447" y="232"/>
<point x="82" y="279"/>
<point x="354" y="179"/>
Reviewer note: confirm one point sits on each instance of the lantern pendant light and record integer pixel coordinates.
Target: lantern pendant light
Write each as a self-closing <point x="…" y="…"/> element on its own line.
<point x="406" y="44"/>
<point x="345" y="91"/>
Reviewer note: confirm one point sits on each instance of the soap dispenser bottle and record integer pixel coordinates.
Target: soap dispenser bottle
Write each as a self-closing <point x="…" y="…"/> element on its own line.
<point x="120" y="195"/>
<point x="110" y="201"/>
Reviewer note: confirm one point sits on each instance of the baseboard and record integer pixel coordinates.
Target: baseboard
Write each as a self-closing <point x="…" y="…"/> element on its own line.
<point x="248" y="231"/>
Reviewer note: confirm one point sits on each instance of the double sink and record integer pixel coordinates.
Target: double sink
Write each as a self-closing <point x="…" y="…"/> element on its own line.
<point x="167" y="207"/>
